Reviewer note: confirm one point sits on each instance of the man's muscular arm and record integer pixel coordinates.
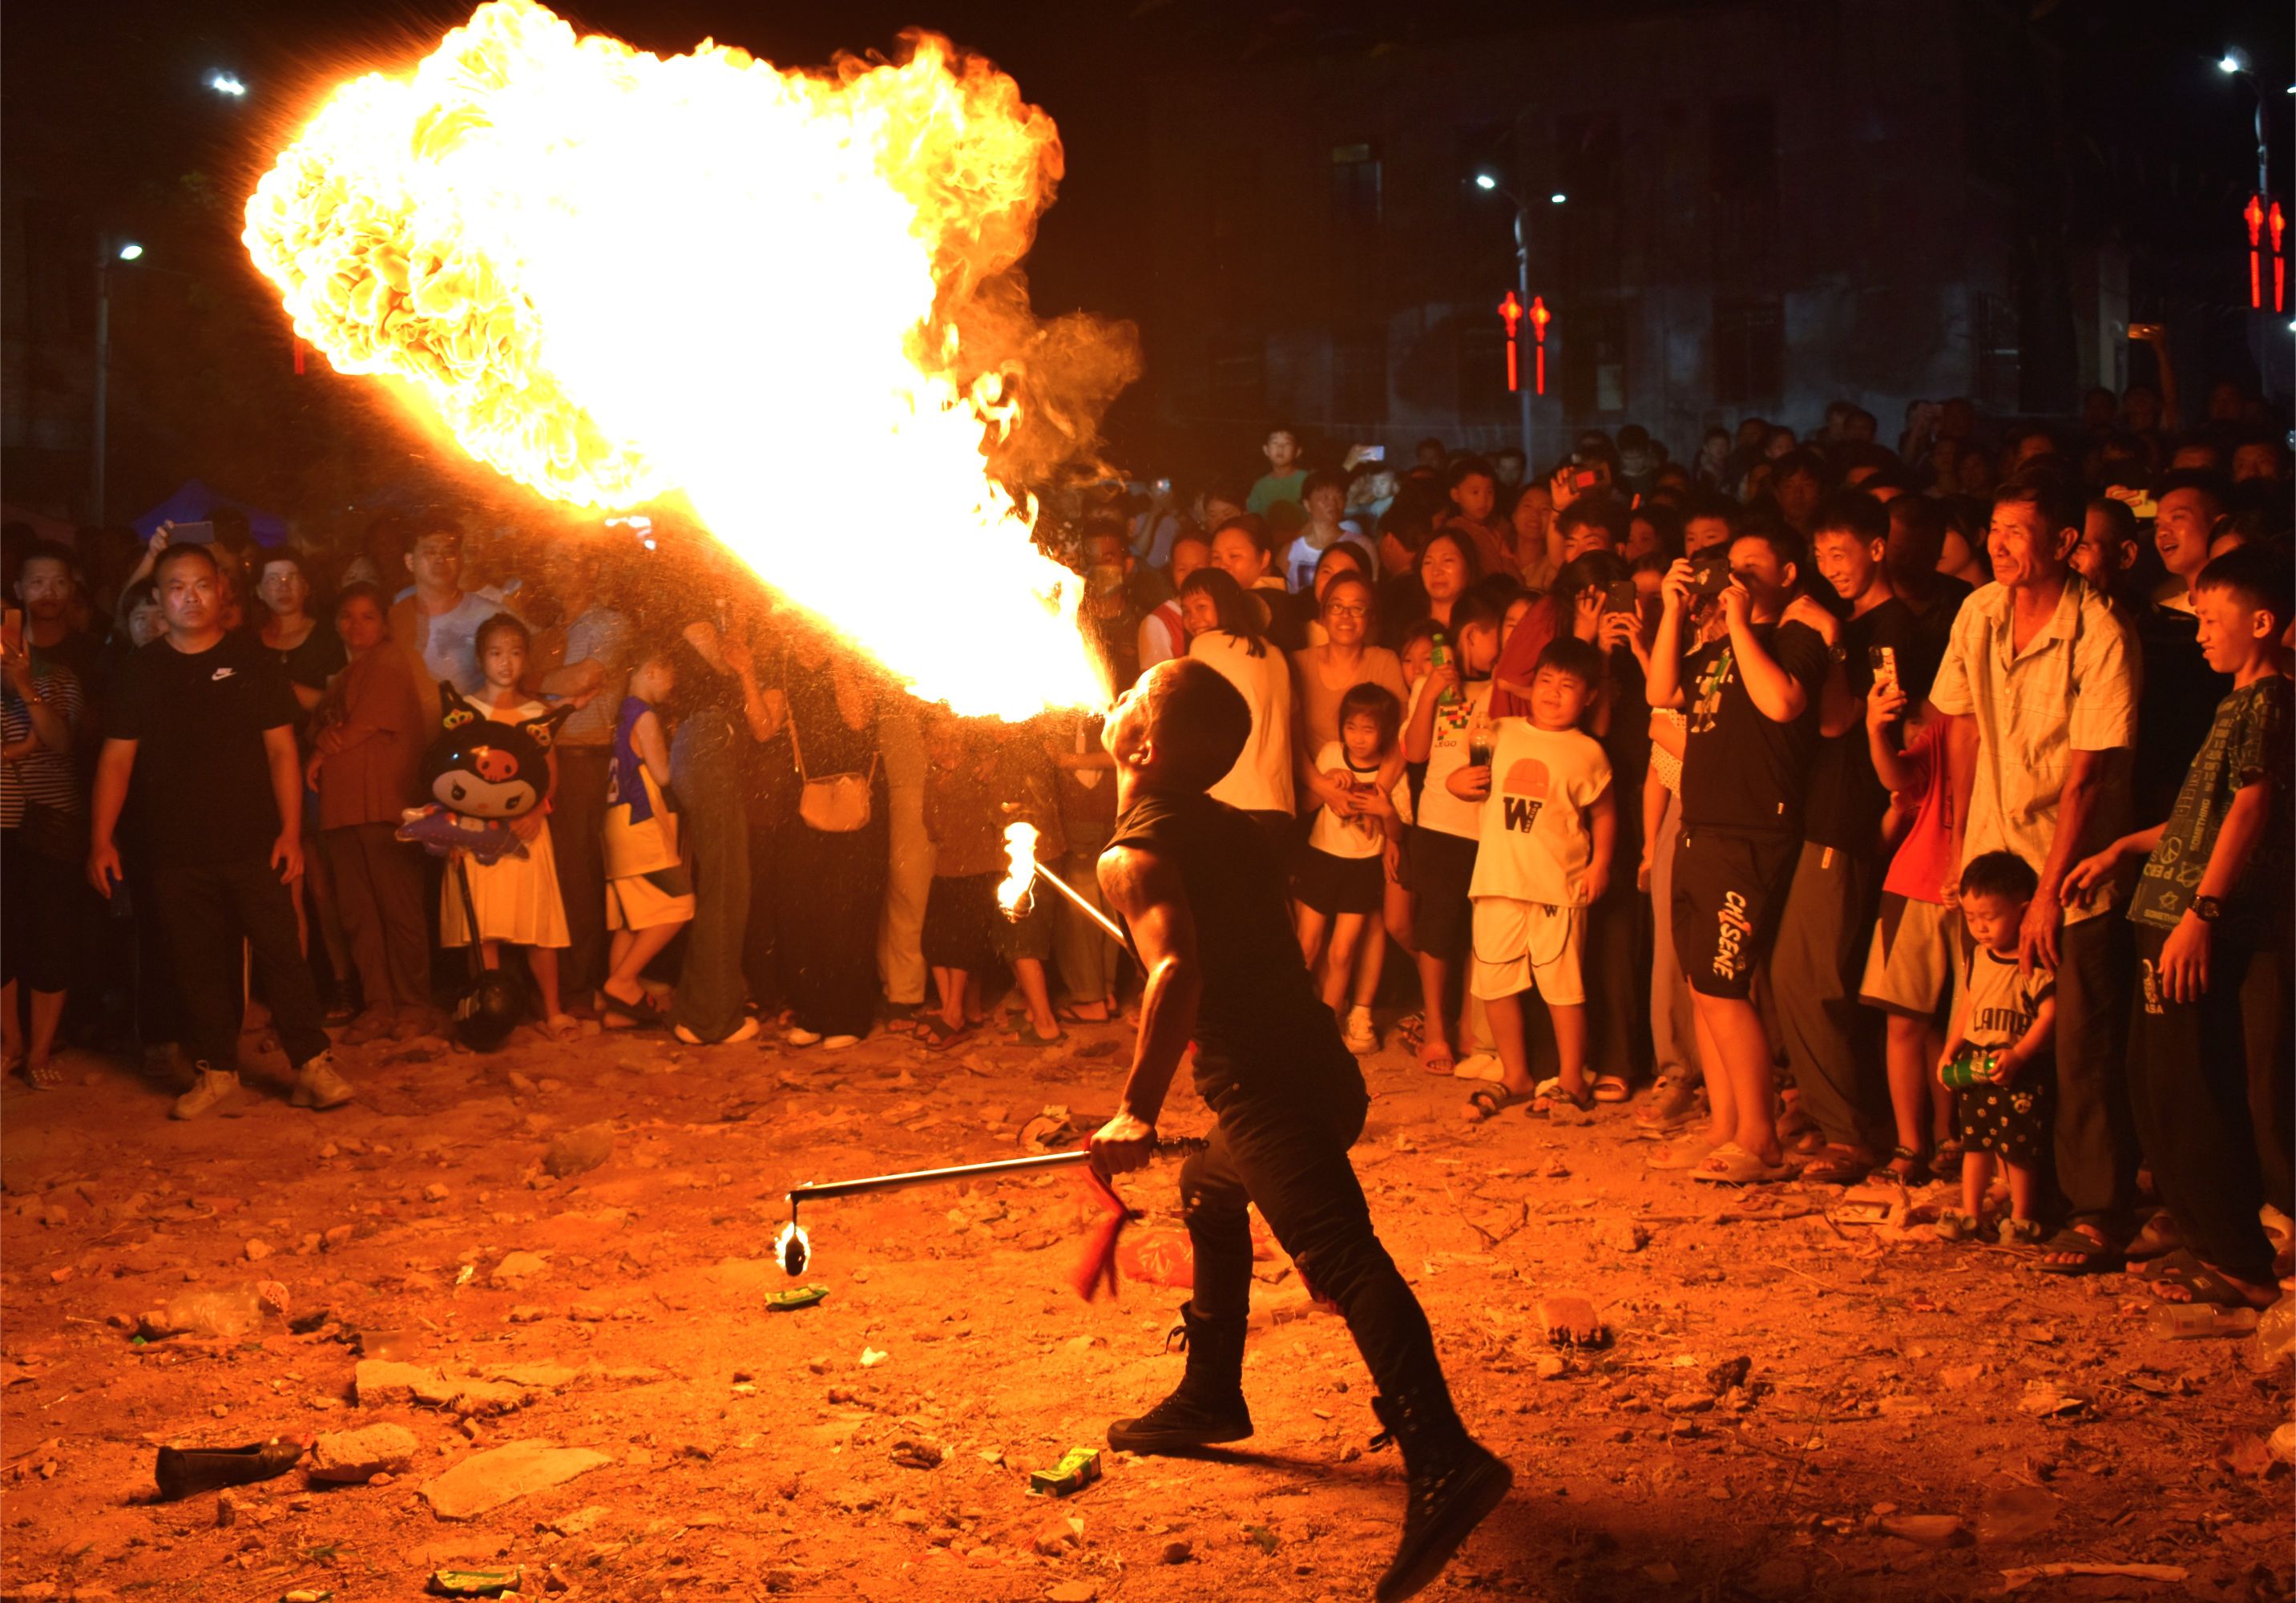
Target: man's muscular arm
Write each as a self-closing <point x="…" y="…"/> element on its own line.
<point x="1146" y="890"/>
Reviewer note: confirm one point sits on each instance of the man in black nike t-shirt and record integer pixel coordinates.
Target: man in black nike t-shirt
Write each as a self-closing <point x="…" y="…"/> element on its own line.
<point x="1204" y="898"/>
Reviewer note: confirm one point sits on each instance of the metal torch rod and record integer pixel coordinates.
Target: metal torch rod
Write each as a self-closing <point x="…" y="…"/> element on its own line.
<point x="933" y="1177"/>
<point x="1082" y="906"/>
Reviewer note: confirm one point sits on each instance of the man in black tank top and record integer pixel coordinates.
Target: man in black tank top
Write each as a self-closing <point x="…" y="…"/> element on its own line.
<point x="1201" y="892"/>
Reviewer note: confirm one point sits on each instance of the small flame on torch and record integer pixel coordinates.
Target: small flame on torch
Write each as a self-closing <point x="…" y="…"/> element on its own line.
<point x="1020" y="873"/>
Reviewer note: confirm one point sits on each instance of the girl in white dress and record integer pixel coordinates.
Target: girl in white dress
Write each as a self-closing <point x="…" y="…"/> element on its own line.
<point x="516" y="897"/>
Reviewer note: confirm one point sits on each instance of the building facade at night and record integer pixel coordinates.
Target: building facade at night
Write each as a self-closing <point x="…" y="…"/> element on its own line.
<point x="1756" y="208"/>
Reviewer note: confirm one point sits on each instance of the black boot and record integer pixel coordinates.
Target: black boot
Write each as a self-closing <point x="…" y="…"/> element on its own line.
<point x="1453" y="1484"/>
<point x="1208" y="1406"/>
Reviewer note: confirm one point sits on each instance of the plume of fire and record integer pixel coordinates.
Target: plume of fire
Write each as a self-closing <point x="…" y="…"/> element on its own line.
<point x="615" y="276"/>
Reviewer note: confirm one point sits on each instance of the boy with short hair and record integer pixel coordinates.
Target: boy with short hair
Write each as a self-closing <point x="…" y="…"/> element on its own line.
<point x="1284" y="478"/>
<point x="2003" y="1032"/>
<point x="1544" y="858"/>
<point x="2210" y="1063"/>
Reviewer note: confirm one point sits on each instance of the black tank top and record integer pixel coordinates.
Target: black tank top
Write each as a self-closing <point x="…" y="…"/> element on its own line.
<point x="1260" y="1025"/>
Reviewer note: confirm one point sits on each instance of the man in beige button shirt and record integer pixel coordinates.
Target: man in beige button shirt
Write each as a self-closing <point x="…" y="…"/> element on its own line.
<point x="2042" y="677"/>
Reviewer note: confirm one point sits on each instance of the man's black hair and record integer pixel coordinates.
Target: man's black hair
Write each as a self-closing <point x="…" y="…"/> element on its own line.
<point x="1321" y="478"/>
<point x="2120" y="522"/>
<point x="2213" y="486"/>
<point x="1665" y="524"/>
<point x="2001" y="874"/>
<point x="1198" y="720"/>
<point x="175" y="553"/>
<point x="1567" y="653"/>
<point x="1466" y="468"/>
<point x="1606" y="513"/>
<point x="1785" y="544"/>
<point x="2257" y="577"/>
<point x="1854" y="513"/>
<point x="1254" y="528"/>
<point x="2057" y="498"/>
<point x="1801" y="459"/>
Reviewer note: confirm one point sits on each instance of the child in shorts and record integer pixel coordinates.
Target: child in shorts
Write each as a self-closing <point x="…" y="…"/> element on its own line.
<point x="2003" y="1029"/>
<point x="649" y="890"/>
<point x="1909" y="969"/>
<point x="1548" y="819"/>
<point x="1339" y="877"/>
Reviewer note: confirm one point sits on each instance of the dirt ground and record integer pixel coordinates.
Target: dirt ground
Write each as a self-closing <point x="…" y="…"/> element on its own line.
<point x="876" y="1446"/>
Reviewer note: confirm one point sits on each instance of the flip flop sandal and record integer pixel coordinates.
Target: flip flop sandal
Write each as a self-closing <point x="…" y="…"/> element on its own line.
<point x="47" y="1076"/>
<point x="1549" y="1091"/>
<point x="1730" y="1164"/>
<point x="1028" y="1037"/>
<point x="1916" y="1170"/>
<point x="1437" y="1060"/>
<point x="2095" y="1257"/>
<point x="1612" y="1088"/>
<point x="1835" y="1169"/>
<point x="2209" y="1289"/>
<point x="937" y="1034"/>
<point x="1684" y="1152"/>
<point x="1066" y="1014"/>
<point x="1488" y="1102"/>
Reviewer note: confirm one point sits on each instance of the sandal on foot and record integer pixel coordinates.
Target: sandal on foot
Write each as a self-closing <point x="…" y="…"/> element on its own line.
<point x="1027" y="1036"/>
<point x="640" y="1015"/>
<point x="1953" y="1225"/>
<point x="937" y="1034"/>
<point x="1684" y="1152"/>
<point x="1066" y="1014"/>
<point x="1945" y="1163"/>
<point x="1612" y="1088"/>
<point x="1436" y="1058"/>
<point x="2086" y="1253"/>
<point x="1836" y="1166"/>
<point x="1730" y="1164"/>
<point x="2204" y="1286"/>
<point x="1550" y="1091"/>
<point x="43" y="1073"/>
<point x="1908" y="1167"/>
<point x="1488" y="1102"/>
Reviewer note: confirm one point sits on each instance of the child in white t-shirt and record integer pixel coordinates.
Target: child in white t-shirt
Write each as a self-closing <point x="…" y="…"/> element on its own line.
<point x="1546" y="826"/>
<point x="1339" y="875"/>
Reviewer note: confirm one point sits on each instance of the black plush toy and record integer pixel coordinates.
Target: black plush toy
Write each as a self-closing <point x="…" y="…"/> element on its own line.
<point x="481" y="774"/>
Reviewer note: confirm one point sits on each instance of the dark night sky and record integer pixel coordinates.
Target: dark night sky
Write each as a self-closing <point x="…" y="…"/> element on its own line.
<point x="103" y="109"/>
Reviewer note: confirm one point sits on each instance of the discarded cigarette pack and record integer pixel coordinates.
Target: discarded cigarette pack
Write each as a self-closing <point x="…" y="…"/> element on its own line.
<point x="475" y="1583"/>
<point x="1078" y="1468"/>
<point x="795" y="1298"/>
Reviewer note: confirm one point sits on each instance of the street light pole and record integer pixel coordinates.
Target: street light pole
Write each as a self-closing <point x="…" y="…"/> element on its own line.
<point x="1523" y="289"/>
<point x="97" y="443"/>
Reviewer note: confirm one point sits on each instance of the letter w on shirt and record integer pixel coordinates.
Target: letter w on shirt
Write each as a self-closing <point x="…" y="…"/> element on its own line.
<point x="1519" y="812"/>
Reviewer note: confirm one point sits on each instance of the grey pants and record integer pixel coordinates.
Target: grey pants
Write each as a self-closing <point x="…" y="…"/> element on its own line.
<point x="715" y="826"/>
<point x="1674" y="1027"/>
<point x="1834" y="1041"/>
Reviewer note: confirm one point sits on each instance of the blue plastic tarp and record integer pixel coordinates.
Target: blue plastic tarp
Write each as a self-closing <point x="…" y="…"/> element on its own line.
<point x="193" y="501"/>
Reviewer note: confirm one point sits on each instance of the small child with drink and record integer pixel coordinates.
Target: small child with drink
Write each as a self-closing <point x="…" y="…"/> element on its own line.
<point x="1999" y="1052"/>
<point x="1338" y="879"/>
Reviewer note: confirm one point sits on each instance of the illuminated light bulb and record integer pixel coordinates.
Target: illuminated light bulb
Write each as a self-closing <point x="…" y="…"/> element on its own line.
<point x="130" y="252"/>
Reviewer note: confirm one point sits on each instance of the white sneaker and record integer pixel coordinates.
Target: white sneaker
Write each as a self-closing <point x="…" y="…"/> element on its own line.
<point x="1359" y="1037"/>
<point x="800" y="1036"/>
<point x="317" y="1085"/>
<point x="746" y="1030"/>
<point x="837" y="1043"/>
<point x="213" y="1088"/>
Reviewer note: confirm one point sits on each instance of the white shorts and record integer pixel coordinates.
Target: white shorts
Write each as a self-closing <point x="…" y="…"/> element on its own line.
<point x="1527" y="946"/>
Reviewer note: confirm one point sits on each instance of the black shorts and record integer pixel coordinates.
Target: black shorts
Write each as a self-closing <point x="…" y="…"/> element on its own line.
<point x="961" y="920"/>
<point x="1331" y="884"/>
<point x="1729" y="887"/>
<point x="1442" y="867"/>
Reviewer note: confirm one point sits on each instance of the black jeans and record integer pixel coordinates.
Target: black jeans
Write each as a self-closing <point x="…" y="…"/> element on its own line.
<point x="1287" y="1151"/>
<point x="2095" y="1136"/>
<point x="206" y="911"/>
<point x="2189" y="1075"/>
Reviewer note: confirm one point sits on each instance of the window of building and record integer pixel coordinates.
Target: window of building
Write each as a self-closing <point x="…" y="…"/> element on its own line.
<point x="1359" y="376"/>
<point x="1748" y="352"/>
<point x="1997" y="353"/>
<point x="1590" y="349"/>
<point x="1742" y="146"/>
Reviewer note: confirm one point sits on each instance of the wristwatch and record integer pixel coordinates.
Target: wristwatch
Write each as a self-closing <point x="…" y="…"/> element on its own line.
<point x="2208" y="910"/>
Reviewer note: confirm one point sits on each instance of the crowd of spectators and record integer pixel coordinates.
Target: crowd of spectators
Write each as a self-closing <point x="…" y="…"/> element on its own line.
<point x="1838" y="797"/>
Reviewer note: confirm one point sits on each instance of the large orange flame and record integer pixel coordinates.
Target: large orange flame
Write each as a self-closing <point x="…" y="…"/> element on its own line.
<point x="614" y="276"/>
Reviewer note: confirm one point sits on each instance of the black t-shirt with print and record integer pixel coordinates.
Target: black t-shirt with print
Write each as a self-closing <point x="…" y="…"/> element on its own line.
<point x="1847" y="798"/>
<point x="1738" y="770"/>
<point x="201" y="791"/>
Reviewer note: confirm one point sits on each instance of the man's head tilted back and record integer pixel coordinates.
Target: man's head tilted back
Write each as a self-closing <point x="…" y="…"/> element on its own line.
<point x="1180" y="728"/>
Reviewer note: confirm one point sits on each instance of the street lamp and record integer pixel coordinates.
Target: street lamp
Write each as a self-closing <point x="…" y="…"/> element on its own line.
<point x="1488" y="182"/>
<point x="107" y="251"/>
<point x="2234" y="63"/>
<point x="131" y="252"/>
<point x="1557" y="198"/>
<point x="227" y="84"/>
